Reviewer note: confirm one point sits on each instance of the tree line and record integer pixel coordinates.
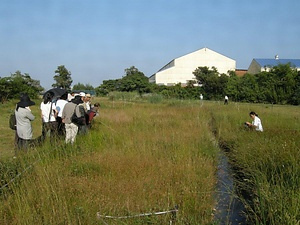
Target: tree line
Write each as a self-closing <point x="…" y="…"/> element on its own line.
<point x="12" y="86"/>
<point x="280" y="85"/>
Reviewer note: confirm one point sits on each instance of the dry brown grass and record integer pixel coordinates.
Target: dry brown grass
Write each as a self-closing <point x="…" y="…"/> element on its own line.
<point x="138" y="158"/>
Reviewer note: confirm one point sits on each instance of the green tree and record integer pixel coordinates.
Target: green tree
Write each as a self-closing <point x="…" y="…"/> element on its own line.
<point x="285" y="81"/>
<point x="212" y="82"/>
<point x="11" y="87"/>
<point x="5" y="89"/>
<point x="63" y="78"/>
<point x="132" y="71"/>
<point x="232" y="86"/>
<point x="192" y="91"/>
<point x="248" y="90"/>
<point x="89" y="87"/>
<point x="295" y="98"/>
<point x="80" y="86"/>
<point x="203" y="72"/>
<point x="279" y="85"/>
<point x="107" y="86"/>
<point x="266" y="83"/>
<point x="134" y="80"/>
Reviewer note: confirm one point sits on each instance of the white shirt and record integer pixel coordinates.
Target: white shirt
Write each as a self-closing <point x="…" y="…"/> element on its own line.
<point x="257" y="122"/>
<point x="88" y="106"/>
<point x="60" y="104"/>
<point x="45" y="109"/>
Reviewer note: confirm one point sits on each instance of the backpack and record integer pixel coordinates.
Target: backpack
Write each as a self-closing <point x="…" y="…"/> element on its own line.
<point x="12" y="121"/>
<point x="79" y="121"/>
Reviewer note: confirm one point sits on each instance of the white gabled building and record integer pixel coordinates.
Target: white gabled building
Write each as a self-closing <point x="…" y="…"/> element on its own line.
<point x="180" y="70"/>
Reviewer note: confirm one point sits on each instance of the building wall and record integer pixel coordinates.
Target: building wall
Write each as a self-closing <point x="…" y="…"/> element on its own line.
<point x="254" y="67"/>
<point x="240" y="72"/>
<point x="183" y="67"/>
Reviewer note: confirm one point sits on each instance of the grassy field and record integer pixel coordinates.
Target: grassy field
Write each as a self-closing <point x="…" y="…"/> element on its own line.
<point x="138" y="158"/>
<point x="267" y="164"/>
<point x="142" y="157"/>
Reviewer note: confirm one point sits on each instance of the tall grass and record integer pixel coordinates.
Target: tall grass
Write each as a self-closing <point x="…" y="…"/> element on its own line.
<point x="268" y="163"/>
<point x="143" y="157"/>
<point x="7" y="135"/>
<point x="138" y="158"/>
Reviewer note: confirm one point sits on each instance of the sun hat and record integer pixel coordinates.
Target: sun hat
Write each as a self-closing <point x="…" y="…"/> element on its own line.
<point x="25" y="101"/>
<point x="88" y="95"/>
<point x="77" y="100"/>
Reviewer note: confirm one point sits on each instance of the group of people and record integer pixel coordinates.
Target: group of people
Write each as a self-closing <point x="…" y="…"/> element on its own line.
<point x="57" y="117"/>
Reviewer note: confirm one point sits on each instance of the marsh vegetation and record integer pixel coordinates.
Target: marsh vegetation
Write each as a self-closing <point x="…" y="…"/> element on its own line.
<point x="151" y="155"/>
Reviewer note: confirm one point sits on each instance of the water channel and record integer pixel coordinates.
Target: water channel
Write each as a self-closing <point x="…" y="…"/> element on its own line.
<point x="229" y="209"/>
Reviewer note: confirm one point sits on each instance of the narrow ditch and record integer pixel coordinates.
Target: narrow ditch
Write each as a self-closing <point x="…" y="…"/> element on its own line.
<point x="229" y="209"/>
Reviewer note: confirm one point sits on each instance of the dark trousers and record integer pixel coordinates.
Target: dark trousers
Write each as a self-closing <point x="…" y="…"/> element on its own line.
<point x="24" y="144"/>
<point x="61" y="130"/>
<point x="52" y="127"/>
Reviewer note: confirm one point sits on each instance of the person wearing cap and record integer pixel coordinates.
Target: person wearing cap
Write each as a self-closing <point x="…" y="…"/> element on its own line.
<point x="24" y="117"/>
<point x="83" y="129"/>
<point x="87" y="107"/>
<point x="82" y="95"/>
<point x="87" y="102"/>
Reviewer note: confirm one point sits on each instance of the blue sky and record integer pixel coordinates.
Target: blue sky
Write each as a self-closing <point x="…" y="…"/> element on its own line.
<point x="98" y="39"/>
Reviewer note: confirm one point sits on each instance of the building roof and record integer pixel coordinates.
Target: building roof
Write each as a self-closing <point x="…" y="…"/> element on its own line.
<point x="172" y="62"/>
<point x="180" y="70"/>
<point x="276" y="62"/>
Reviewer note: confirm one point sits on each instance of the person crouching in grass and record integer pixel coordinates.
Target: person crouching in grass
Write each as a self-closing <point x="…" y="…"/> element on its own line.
<point x="256" y="122"/>
<point x="92" y="113"/>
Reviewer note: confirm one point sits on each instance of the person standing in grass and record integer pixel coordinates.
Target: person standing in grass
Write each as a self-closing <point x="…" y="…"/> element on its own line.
<point x="82" y="128"/>
<point x="201" y="97"/>
<point x="87" y="102"/>
<point x="226" y="100"/>
<point x="68" y="111"/>
<point x="24" y="117"/>
<point x="48" y="115"/>
<point x="256" y="123"/>
<point x="60" y="104"/>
